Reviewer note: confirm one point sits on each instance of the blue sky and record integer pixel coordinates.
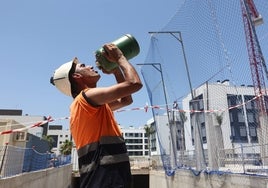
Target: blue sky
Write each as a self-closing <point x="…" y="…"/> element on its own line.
<point x="38" y="36"/>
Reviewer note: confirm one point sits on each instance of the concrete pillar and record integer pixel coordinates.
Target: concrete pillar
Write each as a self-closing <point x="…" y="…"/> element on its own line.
<point x="211" y="142"/>
<point x="198" y="144"/>
<point x="262" y="131"/>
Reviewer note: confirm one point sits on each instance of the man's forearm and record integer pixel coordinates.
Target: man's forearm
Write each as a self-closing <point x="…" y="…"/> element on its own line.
<point x="119" y="76"/>
<point x="128" y="71"/>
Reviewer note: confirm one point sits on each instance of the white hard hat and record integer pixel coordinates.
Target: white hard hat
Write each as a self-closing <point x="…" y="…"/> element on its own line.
<point x="60" y="79"/>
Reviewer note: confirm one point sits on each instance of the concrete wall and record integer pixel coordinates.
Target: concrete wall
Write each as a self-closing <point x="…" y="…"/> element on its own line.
<point x="62" y="178"/>
<point x="48" y="178"/>
<point x="186" y="179"/>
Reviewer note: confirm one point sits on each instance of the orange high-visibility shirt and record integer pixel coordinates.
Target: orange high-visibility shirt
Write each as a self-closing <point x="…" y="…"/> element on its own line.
<point x="88" y="124"/>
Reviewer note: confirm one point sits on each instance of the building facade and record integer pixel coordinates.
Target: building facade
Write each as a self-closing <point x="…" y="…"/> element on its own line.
<point x="223" y="117"/>
<point x="136" y="141"/>
<point x="13" y="120"/>
<point x="219" y="125"/>
<point x="59" y="136"/>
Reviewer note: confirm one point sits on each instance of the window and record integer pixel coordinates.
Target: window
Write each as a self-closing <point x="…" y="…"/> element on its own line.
<point x="241" y="117"/>
<point x="233" y="100"/>
<point x="20" y="136"/>
<point x="237" y="119"/>
<point x="252" y="131"/>
<point x="251" y="118"/>
<point x="201" y="118"/>
<point x="231" y="117"/>
<point x="243" y="131"/>
<point x="138" y="134"/>
<point x="201" y="104"/>
<point x="203" y="132"/>
<point x="135" y="153"/>
<point x="134" y="147"/>
<point x="198" y="118"/>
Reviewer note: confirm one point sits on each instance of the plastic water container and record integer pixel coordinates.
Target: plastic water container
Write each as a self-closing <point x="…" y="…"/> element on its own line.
<point x="127" y="44"/>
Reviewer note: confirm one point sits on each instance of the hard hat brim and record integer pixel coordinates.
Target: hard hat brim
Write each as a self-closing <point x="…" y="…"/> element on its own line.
<point x="61" y="77"/>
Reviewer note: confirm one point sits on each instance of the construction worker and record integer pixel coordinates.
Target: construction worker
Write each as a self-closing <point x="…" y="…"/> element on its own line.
<point x="102" y="154"/>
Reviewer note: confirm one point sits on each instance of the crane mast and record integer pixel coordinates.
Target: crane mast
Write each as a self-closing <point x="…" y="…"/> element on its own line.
<point x="252" y="18"/>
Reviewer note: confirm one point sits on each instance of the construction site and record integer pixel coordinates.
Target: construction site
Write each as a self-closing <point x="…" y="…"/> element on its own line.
<point x="206" y="76"/>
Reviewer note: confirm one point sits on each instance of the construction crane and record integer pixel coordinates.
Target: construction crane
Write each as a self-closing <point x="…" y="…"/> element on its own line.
<point x="251" y="19"/>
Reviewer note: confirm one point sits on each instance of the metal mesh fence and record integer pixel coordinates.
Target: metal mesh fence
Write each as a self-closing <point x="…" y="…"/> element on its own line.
<point x="16" y="160"/>
<point x="199" y="80"/>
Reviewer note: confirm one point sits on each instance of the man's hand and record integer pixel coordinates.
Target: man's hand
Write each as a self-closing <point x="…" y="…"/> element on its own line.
<point x="112" y="52"/>
<point x="114" y="71"/>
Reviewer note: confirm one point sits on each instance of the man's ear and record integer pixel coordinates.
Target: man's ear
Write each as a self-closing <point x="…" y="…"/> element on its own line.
<point x="76" y="75"/>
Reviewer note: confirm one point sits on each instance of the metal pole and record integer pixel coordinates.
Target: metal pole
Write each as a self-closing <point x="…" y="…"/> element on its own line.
<point x="183" y="51"/>
<point x="186" y="65"/>
<point x="165" y="95"/>
<point x="163" y="83"/>
<point x="189" y="79"/>
<point x="243" y="159"/>
<point x="3" y="159"/>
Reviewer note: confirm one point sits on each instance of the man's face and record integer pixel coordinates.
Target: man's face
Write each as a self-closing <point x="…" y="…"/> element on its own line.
<point x="87" y="72"/>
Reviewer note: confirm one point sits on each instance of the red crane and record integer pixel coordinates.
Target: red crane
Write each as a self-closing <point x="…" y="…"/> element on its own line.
<point x="252" y="18"/>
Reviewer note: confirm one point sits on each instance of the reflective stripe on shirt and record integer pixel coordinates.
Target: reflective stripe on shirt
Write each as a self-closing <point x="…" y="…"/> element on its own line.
<point x="110" y="150"/>
<point x="106" y="160"/>
<point x="112" y="159"/>
<point x="103" y="141"/>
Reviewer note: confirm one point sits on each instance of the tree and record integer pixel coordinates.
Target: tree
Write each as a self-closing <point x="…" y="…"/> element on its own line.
<point x="66" y="147"/>
<point x="219" y="118"/>
<point x="49" y="140"/>
<point x="148" y="132"/>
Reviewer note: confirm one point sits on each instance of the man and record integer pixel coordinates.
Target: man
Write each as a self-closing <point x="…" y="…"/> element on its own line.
<point x="102" y="154"/>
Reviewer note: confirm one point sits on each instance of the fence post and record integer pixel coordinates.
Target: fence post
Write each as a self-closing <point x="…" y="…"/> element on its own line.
<point x="3" y="159"/>
<point x="243" y="160"/>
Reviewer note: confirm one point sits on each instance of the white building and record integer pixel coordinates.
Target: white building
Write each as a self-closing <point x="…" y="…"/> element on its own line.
<point x="236" y="107"/>
<point x="59" y="136"/>
<point x="160" y="132"/>
<point x="136" y="141"/>
<point x="13" y="119"/>
<point x="19" y="132"/>
<point x="221" y="124"/>
<point x="233" y="103"/>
